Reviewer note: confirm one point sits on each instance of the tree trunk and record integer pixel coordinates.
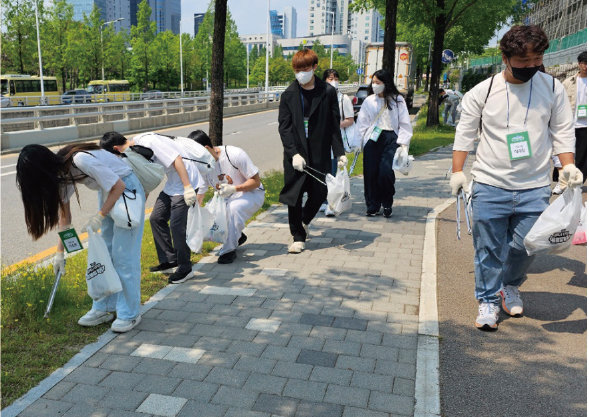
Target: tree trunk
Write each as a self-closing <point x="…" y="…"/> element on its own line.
<point x="433" y="118"/>
<point x="390" y="36"/>
<point x="216" y="113"/>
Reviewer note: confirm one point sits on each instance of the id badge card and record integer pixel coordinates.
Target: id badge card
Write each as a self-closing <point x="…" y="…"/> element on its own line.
<point x="582" y="111"/>
<point x="71" y="241"/>
<point x="306" y="122"/>
<point x="375" y="133"/>
<point x="519" y="145"/>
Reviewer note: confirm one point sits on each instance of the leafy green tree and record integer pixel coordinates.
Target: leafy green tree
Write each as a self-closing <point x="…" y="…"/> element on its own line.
<point x="119" y="55"/>
<point x="56" y="27"/>
<point x="19" y="41"/>
<point x="142" y="37"/>
<point x="165" y="65"/>
<point x="235" y="53"/>
<point x="203" y="44"/>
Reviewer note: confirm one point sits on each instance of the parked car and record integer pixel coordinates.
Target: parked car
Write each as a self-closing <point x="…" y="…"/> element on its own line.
<point x="152" y="95"/>
<point x="359" y="98"/>
<point x="76" y="96"/>
<point x="5" y="101"/>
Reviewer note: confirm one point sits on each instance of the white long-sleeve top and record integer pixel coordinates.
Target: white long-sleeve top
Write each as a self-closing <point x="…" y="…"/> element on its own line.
<point x="397" y="119"/>
<point x="549" y="126"/>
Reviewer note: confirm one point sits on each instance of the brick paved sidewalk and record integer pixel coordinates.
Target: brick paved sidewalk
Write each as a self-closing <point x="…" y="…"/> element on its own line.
<point x="329" y="332"/>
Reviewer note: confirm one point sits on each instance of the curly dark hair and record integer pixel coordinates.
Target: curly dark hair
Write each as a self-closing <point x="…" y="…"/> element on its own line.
<point x="519" y="38"/>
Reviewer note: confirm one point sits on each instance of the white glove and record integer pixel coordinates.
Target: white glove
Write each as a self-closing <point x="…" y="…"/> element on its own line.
<point x="189" y="195"/>
<point x="342" y="161"/>
<point x="402" y="150"/>
<point x="226" y="190"/>
<point x="95" y="222"/>
<point x="58" y="263"/>
<point x="298" y="162"/>
<point x="572" y="175"/>
<point x="457" y="181"/>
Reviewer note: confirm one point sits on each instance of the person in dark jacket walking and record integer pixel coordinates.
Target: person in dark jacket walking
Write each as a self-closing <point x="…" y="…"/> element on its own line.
<point x="308" y="123"/>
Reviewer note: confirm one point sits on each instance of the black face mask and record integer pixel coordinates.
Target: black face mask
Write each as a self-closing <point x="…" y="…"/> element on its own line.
<point x="524" y="74"/>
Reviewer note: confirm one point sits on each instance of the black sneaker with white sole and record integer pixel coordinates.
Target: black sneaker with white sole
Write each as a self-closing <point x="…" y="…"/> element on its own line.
<point x="387" y="212"/>
<point x="227" y="258"/>
<point x="179" y="277"/>
<point x="164" y="268"/>
<point x="242" y="239"/>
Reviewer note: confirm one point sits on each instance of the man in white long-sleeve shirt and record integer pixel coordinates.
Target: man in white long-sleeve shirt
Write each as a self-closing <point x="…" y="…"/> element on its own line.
<point x="525" y="117"/>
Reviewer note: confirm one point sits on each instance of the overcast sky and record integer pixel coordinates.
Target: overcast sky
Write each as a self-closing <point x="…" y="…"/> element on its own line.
<point x="249" y="15"/>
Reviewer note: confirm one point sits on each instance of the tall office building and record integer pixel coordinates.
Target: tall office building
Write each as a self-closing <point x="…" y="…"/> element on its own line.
<point x="289" y="22"/>
<point x="165" y="13"/>
<point x="325" y="15"/>
<point x="276" y="23"/>
<point x="198" y="18"/>
<point x="84" y="7"/>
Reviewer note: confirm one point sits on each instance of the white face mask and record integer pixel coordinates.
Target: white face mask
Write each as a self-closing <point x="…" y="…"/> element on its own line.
<point x="377" y="88"/>
<point x="303" y="77"/>
<point x="334" y="83"/>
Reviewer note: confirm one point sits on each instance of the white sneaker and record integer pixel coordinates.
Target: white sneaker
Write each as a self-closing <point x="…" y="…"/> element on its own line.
<point x="95" y="317"/>
<point x="323" y="207"/>
<point x="511" y="301"/>
<point x="122" y="326"/>
<point x="488" y="316"/>
<point x="557" y="190"/>
<point x="329" y="212"/>
<point x="296" y="247"/>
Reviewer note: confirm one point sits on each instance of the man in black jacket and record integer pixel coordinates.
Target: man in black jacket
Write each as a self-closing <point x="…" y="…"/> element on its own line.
<point x="308" y="121"/>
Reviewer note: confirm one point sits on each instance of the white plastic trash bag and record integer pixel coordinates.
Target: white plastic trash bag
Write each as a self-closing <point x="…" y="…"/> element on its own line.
<point x="554" y="229"/>
<point x="101" y="277"/>
<point x="217" y="231"/>
<point x="402" y="161"/>
<point x="339" y="197"/>
<point x="128" y="210"/>
<point x="580" y="236"/>
<point x="198" y="223"/>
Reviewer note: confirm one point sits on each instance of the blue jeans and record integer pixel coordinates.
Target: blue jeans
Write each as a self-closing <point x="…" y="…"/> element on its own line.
<point x="501" y="220"/>
<point x="124" y="246"/>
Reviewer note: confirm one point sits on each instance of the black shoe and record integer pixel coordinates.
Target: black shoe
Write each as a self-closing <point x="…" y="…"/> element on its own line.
<point x="166" y="267"/>
<point x="371" y="213"/>
<point x="227" y="258"/>
<point x="179" y="277"/>
<point x="242" y="239"/>
<point x="388" y="212"/>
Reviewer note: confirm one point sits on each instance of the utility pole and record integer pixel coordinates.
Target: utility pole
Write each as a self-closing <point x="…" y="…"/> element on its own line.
<point x="267" y="46"/>
<point x="39" y="51"/>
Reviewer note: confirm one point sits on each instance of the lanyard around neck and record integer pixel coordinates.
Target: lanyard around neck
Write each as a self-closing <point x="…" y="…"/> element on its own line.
<point x="527" y="109"/>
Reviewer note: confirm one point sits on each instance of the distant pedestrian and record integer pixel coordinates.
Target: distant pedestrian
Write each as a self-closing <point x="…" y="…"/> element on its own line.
<point x="170" y="211"/>
<point x="384" y="125"/>
<point x="523" y="122"/>
<point x="346" y="111"/>
<point x="308" y="124"/>
<point x="238" y="181"/>
<point x="451" y="100"/>
<point x="47" y="182"/>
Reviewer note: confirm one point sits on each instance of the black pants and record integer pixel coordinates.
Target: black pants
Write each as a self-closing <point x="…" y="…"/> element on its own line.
<point x="172" y="209"/>
<point x="581" y="150"/>
<point x="299" y="214"/>
<point x="379" y="177"/>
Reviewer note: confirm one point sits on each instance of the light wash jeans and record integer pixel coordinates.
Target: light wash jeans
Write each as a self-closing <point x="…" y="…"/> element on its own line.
<point x="124" y="246"/>
<point x="501" y="220"/>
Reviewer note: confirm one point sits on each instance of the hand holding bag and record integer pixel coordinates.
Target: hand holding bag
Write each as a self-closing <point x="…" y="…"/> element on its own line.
<point x="339" y="197"/>
<point x="128" y="210"/>
<point x="198" y="223"/>
<point x="217" y="231"/>
<point x="402" y="162"/>
<point x="554" y="229"/>
<point x="101" y="277"/>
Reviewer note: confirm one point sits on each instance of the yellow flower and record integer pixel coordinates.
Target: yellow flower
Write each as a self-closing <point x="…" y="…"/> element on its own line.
<point x="29" y="305"/>
<point x="15" y="319"/>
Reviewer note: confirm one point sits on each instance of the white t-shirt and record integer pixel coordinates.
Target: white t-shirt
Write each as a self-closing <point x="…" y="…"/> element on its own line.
<point x="98" y="170"/>
<point x="346" y="108"/>
<point x="549" y="126"/>
<point x="165" y="152"/>
<point x="239" y="167"/>
<point x="581" y="99"/>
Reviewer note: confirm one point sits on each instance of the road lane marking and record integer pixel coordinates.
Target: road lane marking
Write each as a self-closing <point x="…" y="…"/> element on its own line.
<point x="8" y="166"/>
<point x="8" y="173"/>
<point x="47" y="252"/>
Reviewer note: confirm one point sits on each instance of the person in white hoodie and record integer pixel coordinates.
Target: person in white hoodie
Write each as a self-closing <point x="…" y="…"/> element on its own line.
<point x="384" y="126"/>
<point x="524" y="117"/>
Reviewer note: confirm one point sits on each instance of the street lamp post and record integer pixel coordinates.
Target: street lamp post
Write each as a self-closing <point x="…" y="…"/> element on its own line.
<point x="332" y="29"/>
<point x="39" y="52"/>
<point x="181" y="68"/>
<point x="267" y="47"/>
<point x="101" y="43"/>
<point x="247" y="48"/>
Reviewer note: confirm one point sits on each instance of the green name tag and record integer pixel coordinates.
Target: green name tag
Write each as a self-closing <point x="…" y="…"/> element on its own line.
<point x="306" y="122"/>
<point x="71" y="241"/>
<point x="519" y="146"/>
<point x="582" y="111"/>
<point x="375" y="133"/>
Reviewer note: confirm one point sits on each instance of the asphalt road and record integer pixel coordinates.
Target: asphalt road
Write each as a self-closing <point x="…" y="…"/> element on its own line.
<point x="535" y="365"/>
<point x="256" y="133"/>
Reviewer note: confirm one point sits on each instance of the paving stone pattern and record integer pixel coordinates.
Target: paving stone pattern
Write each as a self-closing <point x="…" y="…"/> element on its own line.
<point x="328" y="332"/>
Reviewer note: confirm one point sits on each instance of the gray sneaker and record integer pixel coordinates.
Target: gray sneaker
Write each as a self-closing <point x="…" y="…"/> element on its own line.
<point x="488" y="316"/>
<point x="95" y="317"/>
<point x="122" y="326"/>
<point x="511" y="301"/>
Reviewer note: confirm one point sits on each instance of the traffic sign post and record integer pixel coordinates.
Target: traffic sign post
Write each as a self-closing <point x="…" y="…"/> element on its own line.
<point x="447" y="56"/>
<point x="360" y="71"/>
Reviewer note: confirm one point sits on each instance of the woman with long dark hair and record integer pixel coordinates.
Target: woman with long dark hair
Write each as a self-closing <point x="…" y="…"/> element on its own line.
<point x="384" y="125"/>
<point x="47" y="182"/>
